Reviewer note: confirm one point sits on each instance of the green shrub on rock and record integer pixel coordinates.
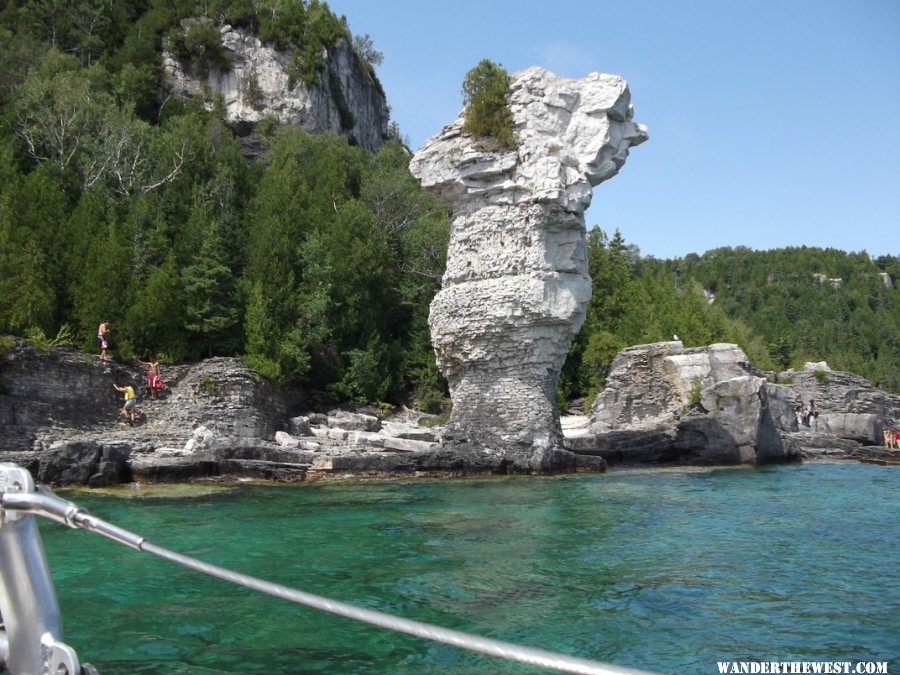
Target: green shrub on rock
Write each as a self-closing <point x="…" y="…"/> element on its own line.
<point x="487" y="113"/>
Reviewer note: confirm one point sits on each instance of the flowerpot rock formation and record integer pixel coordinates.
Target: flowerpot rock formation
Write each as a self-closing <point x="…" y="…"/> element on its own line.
<point x="516" y="287"/>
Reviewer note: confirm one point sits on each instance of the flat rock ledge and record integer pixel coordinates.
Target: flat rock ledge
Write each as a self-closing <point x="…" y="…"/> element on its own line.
<point x="337" y="445"/>
<point x="218" y="420"/>
<point x="221" y="422"/>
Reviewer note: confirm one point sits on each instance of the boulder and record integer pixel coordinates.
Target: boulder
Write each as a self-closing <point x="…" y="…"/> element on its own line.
<point x="84" y="463"/>
<point x="351" y="421"/>
<point x="229" y="399"/>
<point x="70" y="462"/>
<point x="285" y="440"/>
<point x="299" y="426"/>
<point x="862" y="427"/>
<point x="202" y="439"/>
<point x="407" y="445"/>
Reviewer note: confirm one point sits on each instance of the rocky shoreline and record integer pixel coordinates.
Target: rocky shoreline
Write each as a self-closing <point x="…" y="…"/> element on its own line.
<point x="665" y="402"/>
<point x="59" y="418"/>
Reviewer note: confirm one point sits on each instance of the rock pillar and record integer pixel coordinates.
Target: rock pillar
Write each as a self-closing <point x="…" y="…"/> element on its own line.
<point x="516" y="287"/>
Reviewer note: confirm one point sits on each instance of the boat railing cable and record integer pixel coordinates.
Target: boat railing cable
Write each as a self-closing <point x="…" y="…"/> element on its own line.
<point x="42" y="502"/>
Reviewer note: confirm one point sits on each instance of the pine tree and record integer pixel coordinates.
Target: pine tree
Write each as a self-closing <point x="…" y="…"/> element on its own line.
<point x="210" y="296"/>
<point x="154" y="322"/>
<point x="487" y="112"/>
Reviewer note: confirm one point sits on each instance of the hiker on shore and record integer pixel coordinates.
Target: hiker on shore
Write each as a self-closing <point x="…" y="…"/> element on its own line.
<point x="104" y="339"/>
<point x="811" y="411"/>
<point x="154" y="383"/>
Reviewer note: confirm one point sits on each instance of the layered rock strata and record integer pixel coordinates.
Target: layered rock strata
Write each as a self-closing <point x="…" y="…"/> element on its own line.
<point x="59" y="418"/>
<point x="255" y="85"/>
<point x="667" y="403"/>
<point x="516" y="287"/>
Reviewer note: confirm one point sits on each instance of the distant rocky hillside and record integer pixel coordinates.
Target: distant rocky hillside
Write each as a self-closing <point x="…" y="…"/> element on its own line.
<point x="254" y="86"/>
<point x="804" y="303"/>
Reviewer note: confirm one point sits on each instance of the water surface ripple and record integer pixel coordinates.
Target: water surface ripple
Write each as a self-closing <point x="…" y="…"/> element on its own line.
<point x="665" y="570"/>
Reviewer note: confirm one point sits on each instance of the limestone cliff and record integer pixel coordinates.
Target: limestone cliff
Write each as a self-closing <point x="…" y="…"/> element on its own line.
<point x="255" y="85"/>
<point x="64" y="393"/>
<point x="60" y="419"/>
<point x="516" y="286"/>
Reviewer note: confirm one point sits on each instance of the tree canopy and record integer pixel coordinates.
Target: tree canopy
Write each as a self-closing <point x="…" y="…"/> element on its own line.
<point x="316" y="263"/>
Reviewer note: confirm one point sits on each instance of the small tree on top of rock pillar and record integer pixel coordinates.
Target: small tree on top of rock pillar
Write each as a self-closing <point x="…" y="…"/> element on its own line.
<point x="516" y="286"/>
<point x="487" y="110"/>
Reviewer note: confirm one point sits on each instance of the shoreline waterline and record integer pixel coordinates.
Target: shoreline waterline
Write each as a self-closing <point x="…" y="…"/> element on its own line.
<point x="220" y="483"/>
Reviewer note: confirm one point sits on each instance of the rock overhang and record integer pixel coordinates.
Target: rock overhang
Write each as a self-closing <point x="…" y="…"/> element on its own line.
<point x="572" y="135"/>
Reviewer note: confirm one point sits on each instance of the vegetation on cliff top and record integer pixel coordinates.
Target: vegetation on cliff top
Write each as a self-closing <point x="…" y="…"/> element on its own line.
<point x="784" y="307"/>
<point x="317" y="263"/>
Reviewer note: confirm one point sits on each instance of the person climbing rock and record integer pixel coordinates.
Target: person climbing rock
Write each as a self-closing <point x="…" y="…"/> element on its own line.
<point x="811" y="412"/>
<point x="129" y="410"/>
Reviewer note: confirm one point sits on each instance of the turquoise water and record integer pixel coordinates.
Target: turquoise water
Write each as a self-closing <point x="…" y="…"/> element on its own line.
<point x="665" y="570"/>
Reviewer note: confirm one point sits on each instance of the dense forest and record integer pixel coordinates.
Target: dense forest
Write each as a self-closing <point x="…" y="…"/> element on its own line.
<point x="784" y="307"/>
<point x="317" y="262"/>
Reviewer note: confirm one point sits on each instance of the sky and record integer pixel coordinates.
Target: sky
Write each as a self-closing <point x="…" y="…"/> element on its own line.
<point x="772" y="123"/>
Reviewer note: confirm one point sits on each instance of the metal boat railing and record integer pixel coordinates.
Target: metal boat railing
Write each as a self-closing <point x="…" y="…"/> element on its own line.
<point x="31" y="635"/>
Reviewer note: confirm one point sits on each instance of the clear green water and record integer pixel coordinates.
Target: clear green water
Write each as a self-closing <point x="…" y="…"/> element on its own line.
<point x="666" y="570"/>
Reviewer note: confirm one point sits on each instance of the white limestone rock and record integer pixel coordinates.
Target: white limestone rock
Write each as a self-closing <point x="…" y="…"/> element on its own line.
<point x="255" y="86"/>
<point x="407" y="445"/>
<point x="663" y="402"/>
<point x="572" y="134"/>
<point x="172" y="452"/>
<point x="285" y="440"/>
<point x="201" y="439"/>
<point x="351" y="421"/>
<point x="652" y="384"/>
<point x="516" y="286"/>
